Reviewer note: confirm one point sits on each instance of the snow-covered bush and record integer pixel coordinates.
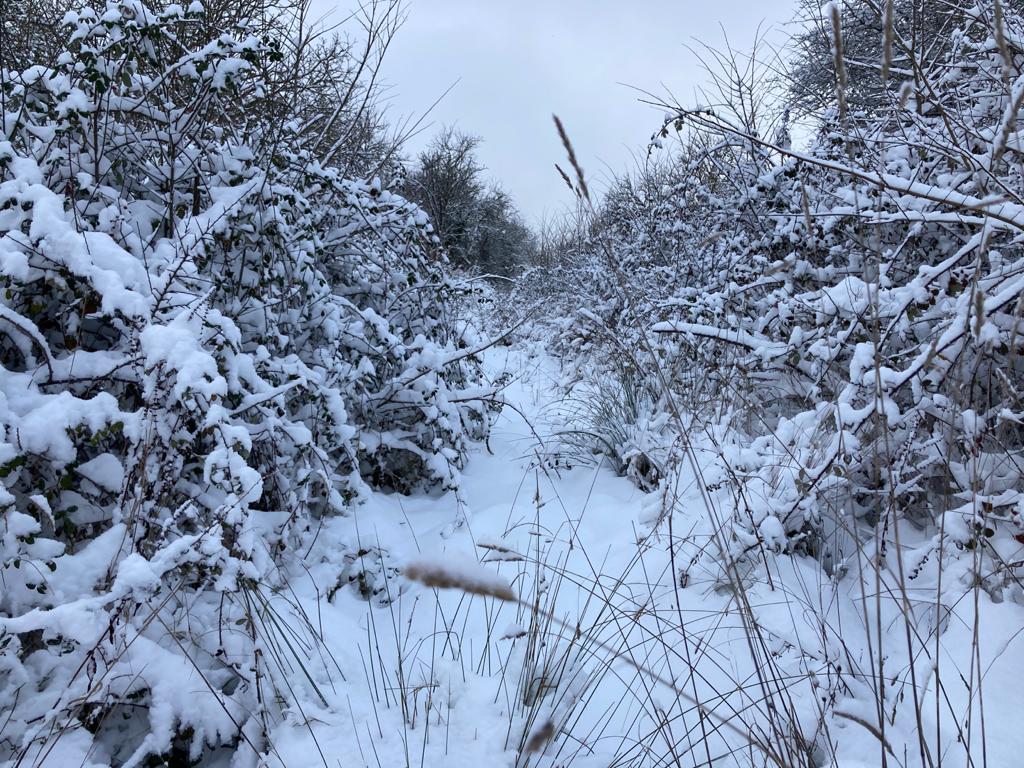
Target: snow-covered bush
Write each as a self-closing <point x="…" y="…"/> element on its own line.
<point x="831" y="329"/>
<point x="209" y="338"/>
<point x="850" y="309"/>
<point x="876" y="300"/>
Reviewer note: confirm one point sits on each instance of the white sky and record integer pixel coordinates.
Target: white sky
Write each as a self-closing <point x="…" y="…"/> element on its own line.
<point x="518" y="61"/>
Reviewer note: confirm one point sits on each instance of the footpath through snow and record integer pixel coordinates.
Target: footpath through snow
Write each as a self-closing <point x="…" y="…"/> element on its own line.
<point x="612" y="603"/>
<point x="449" y="680"/>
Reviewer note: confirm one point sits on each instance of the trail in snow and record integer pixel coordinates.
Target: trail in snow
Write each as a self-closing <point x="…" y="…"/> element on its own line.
<point x="433" y="681"/>
<point x="442" y="678"/>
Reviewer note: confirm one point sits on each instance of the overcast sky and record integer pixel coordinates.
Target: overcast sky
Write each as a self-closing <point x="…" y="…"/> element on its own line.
<point x="518" y="61"/>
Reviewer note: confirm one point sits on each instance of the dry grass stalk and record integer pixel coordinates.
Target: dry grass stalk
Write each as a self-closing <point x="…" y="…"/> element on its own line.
<point x="540" y="737"/>
<point x="476" y="581"/>
<point x="888" y="28"/>
<point x="838" y="59"/>
<point x="580" y="180"/>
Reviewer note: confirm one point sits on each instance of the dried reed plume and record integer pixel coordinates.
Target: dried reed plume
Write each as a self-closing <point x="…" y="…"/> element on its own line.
<point x="838" y="58"/>
<point x="540" y="737"/>
<point x="472" y="578"/>
<point x="888" y="30"/>
<point x="580" y="181"/>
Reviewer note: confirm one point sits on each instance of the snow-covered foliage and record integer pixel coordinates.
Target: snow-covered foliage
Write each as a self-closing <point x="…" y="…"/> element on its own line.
<point x="856" y="301"/>
<point x="871" y="290"/>
<point x="239" y="387"/>
<point x="840" y="324"/>
<point x="209" y="339"/>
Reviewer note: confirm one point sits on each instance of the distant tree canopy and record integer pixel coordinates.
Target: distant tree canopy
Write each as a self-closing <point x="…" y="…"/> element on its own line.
<point x="477" y="222"/>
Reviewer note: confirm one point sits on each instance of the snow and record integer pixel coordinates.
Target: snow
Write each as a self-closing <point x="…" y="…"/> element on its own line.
<point x="271" y="498"/>
<point x="104" y="471"/>
<point x="602" y="552"/>
<point x="501" y="520"/>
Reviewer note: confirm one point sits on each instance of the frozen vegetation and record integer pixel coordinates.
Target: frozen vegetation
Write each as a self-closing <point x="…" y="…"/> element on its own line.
<point x="313" y="454"/>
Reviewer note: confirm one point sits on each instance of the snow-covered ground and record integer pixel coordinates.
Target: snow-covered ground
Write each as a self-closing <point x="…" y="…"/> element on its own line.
<point x="441" y="679"/>
<point x="623" y="624"/>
